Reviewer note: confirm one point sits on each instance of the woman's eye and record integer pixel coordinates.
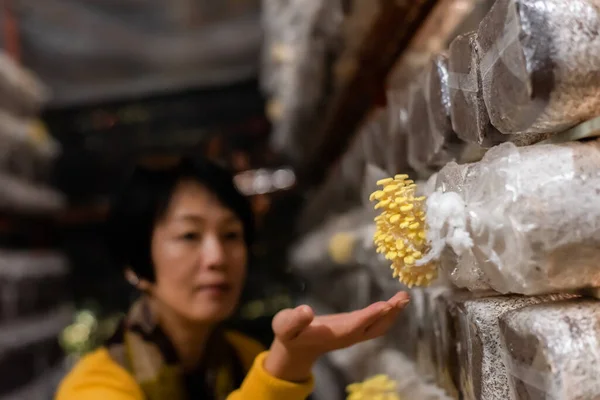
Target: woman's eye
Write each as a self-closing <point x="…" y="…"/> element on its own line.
<point x="190" y="236"/>
<point x="233" y="235"/>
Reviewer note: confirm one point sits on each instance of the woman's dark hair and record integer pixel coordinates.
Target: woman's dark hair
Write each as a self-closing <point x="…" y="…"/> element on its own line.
<point x="144" y="199"/>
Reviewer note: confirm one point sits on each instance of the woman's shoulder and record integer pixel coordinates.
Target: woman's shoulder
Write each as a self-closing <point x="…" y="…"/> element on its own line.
<point x="246" y="347"/>
<point x="98" y="370"/>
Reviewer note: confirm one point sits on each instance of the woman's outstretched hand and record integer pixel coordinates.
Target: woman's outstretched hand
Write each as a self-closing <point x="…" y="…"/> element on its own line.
<point x="301" y="337"/>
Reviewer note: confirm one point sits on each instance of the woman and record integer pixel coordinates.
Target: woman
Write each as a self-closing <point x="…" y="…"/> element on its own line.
<point x="183" y="235"/>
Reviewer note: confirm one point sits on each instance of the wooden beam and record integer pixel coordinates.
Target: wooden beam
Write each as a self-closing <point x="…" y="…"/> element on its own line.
<point x="389" y="36"/>
<point x="10" y="31"/>
<point x="433" y="36"/>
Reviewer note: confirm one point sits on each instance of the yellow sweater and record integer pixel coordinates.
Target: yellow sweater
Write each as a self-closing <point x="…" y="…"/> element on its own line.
<point x="98" y="377"/>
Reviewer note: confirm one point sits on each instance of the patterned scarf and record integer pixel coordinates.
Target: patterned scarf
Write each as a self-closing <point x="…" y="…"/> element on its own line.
<point x="142" y="349"/>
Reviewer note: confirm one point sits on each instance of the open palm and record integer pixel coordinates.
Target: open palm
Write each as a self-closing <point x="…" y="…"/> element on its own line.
<point x="299" y="330"/>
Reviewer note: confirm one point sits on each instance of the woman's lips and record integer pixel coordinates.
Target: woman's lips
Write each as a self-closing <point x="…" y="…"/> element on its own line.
<point x="215" y="289"/>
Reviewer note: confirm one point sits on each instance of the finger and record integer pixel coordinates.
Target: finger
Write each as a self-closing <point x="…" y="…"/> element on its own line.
<point x="399" y="300"/>
<point x="289" y="323"/>
<point x="369" y="322"/>
<point x="354" y="323"/>
<point x="381" y="326"/>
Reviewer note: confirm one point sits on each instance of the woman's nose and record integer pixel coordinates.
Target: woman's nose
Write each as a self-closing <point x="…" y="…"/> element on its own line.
<point x="213" y="254"/>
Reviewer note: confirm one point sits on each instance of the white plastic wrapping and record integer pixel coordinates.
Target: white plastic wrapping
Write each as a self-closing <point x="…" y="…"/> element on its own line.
<point x="21" y="93"/>
<point x="539" y="64"/>
<point x="469" y="114"/>
<point x="14" y="133"/>
<point x="552" y="351"/>
<point x="353" y="164"/>
<point x="529" y="216"/>
<point x="426" y="188"/>
<point x="483" y="375"/>
<point x="445" y="348"/>
<point x="295" y="101"/>
<point x="17" y="195"/>
<point x="447" y="228"/>
<point x="293" y="30"/>
<point x="30" y="283"/>
<point x="420" y="140"/>
<point x="445" y="337"/>
<point x="315" y="248"/>
<point x="416" y="311"/>
<point x="25" y="264"/>
<point x="373" y="357"/>
<point x="422" y="309"/>
<point x="469" y="110"/>
<point x="444" y="144"/>
<point x="397" y="146"/>
<point x="124" y="48"/>
<point x="26" y="148"/>
<point x="367" y="158"/>
<point x="33" y="329"/>
<point x="299" y="39"/>
<point x="376" y="138"/>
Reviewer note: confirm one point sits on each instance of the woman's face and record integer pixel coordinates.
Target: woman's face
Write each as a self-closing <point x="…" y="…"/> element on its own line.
<point x="199" y="256"/>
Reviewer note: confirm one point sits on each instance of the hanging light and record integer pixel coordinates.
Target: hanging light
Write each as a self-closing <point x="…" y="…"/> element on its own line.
<point x="264" y="181"/>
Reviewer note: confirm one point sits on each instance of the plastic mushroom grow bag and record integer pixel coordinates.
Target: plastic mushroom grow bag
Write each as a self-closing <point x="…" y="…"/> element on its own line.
<point x="527" y="218"/>
<point x="483" y="374"/>
<point x="444" y="144"/>
<point x="552" y="351"/>
<point x="20" y="196"/>
<point x="397" y="147"/>
<point x="26" y="148"/>
<point x="336" y="244"/>
<point x="540" y="64"/>
<point x="469" y="115"/>
<point x="299" y="38"/>
<point x="418" y="131"/>
<point x="126" y="48"/>
<point x="469" y="110"/>
<point x="31" y="283"/>
<point x="21" y="92"/>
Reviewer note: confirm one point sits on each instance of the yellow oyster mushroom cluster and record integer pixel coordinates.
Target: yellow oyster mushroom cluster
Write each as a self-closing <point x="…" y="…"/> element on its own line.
<point x="379" y="387"/>
<point x="341" y="247"/>
<point x="401" y="230"/>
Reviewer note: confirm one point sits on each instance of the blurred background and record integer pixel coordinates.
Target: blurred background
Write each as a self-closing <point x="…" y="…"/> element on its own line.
<point x="275" y="89"/>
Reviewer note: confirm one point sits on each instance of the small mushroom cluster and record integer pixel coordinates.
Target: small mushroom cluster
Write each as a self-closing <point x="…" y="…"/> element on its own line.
<point x="401" y="230"/>
<point x="379" y="387"/>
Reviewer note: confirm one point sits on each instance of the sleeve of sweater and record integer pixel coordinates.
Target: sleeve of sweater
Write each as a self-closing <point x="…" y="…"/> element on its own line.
<point x="98" y="377"/>
<point x="259" y="385"/>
